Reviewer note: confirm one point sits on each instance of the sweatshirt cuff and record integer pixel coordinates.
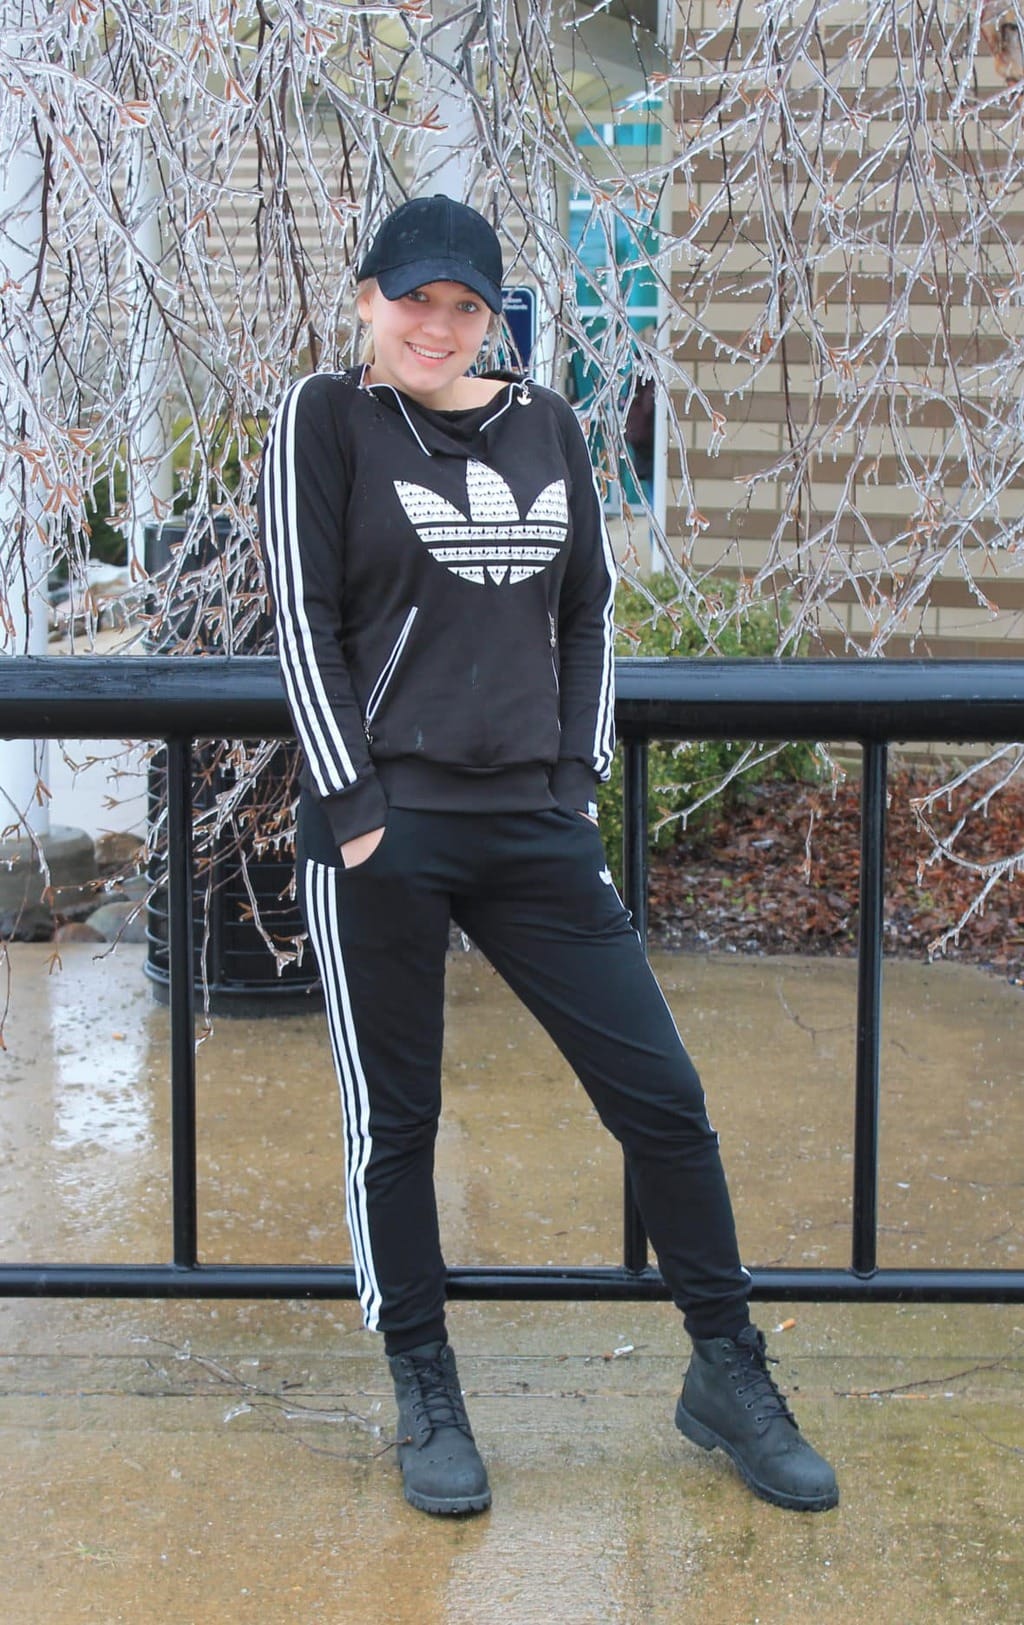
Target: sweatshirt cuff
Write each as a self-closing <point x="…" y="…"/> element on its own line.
<point x="356" y="811"/>
<point x="574" y="785"/>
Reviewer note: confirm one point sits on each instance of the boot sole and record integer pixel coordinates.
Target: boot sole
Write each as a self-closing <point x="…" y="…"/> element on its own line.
<point x="707" y="1439"/>
<point x="448" y="1506"/>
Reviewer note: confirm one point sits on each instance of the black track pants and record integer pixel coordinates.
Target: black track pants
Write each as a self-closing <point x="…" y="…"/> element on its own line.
<point x="532" y="890"/>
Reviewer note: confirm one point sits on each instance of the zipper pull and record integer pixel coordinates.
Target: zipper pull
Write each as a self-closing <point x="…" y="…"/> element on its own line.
<point x="554" y="635"/>
<point x="524" y="394"/>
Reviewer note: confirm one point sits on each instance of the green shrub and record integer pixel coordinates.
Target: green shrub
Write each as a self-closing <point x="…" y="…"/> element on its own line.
<point x="681" y="774"/>
<point x="107" y="541"/>
<point x="101" y="539"/>
<point x="225" y="452"/>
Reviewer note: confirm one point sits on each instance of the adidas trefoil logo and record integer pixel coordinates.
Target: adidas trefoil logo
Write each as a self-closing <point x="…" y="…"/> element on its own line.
<point x="494" y="541"/>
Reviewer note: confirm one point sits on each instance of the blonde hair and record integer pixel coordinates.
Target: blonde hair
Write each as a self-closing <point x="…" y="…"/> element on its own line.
<point x="364" y="330"/>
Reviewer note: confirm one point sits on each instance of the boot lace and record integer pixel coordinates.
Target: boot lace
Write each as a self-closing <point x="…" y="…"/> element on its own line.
<point x="765" y="1397"/>
<point x="438" y="1400"/>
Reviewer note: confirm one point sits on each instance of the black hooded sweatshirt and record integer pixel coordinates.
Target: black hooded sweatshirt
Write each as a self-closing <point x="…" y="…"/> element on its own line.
<point x="444" y="590"/>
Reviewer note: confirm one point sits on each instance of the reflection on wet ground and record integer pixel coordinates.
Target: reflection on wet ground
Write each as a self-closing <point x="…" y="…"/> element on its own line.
<point x="229" y="1462"/>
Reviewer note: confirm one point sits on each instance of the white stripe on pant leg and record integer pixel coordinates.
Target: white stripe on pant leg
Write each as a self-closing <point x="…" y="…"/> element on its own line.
<point x="321" y="894"/>
<point x="320" y="888"/>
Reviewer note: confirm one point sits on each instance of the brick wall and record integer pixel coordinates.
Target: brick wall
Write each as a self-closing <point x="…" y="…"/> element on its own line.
<point x="851" y="304"/>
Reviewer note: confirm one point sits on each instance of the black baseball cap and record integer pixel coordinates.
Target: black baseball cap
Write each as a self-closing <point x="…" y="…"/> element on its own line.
<point x="435" y="239"/>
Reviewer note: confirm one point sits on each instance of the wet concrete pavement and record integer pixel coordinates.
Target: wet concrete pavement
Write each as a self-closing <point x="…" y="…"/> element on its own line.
<point x="214" y="1463"/>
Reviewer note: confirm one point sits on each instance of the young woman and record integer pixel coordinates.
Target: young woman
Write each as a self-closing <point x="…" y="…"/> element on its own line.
<point x="444" y="591"/>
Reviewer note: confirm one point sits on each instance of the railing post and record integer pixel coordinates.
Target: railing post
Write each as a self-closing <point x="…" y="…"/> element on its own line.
<point x="634" y="895"/>
<point x="869" y="1008"/>
<point x="182" y="1002"/>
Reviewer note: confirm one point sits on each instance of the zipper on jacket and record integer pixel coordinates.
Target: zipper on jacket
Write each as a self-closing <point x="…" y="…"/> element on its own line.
<point x="383" y="682"/>
<point x="554" y="662"/>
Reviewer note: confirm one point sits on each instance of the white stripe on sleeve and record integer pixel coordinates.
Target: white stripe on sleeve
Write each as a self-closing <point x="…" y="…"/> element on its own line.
<point x="320" y="735"/>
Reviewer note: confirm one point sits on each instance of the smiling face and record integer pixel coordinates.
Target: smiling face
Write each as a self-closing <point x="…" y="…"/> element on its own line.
<point x="425" y="342"/>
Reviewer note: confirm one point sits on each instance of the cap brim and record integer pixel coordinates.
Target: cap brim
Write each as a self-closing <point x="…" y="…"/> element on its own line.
<point x="402" y="279"/>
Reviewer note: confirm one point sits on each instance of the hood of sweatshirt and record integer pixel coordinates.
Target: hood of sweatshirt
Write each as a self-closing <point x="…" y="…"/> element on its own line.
<point x="462" y="433"/>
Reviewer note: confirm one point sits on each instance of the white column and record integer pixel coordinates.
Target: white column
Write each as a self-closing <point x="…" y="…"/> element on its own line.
<point x="542" y="365"/>
<point x="446" y="158"/>
<point x="23" y="551"/>
<point x="666" y="29"/>
<point x="150" y="471"/>
<point x="659" y="505"/>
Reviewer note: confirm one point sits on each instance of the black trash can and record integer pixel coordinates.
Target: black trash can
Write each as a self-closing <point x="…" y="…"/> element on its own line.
<point x="241" y="972"/>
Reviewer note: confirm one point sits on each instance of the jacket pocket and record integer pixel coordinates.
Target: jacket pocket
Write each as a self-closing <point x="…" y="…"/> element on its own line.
<point x="387" y="672"/>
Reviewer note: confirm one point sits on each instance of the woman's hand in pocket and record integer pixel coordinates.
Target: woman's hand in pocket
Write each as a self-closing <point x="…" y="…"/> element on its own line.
<point x="361" y="847"/>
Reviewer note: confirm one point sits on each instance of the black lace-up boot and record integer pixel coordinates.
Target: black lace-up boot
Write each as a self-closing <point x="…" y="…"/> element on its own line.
<point x="730" y="1399"/>
<point x="441" y="1467"/>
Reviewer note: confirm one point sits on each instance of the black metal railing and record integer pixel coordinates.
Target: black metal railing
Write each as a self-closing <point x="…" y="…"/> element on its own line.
<point x="870" y="703"/>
